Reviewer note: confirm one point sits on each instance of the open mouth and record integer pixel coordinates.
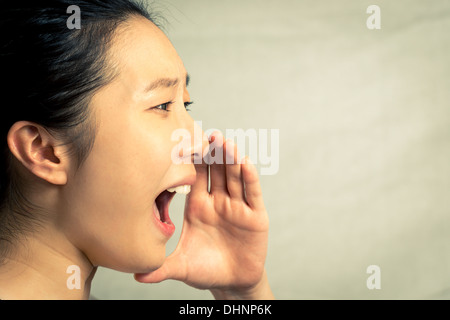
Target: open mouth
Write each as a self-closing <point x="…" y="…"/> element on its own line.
<point x="161" y="207"/>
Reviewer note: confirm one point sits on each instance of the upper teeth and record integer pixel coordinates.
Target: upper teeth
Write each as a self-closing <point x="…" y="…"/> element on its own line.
<point x="181" y="189"/>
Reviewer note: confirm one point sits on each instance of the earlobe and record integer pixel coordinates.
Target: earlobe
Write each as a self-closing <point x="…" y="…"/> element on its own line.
<point x="38" y="151"/>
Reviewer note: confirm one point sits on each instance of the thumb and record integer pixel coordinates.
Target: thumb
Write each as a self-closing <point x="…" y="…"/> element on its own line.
<point x="171" y="269"/>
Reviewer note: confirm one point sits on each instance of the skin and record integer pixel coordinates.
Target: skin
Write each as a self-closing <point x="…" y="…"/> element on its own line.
<point x="101" y="214"/>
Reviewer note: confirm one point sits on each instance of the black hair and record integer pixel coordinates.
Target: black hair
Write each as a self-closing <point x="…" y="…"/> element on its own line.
<point x="49" y="74"/>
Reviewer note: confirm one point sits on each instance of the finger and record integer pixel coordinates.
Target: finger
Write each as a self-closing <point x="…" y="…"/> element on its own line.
<point x="169" y="270"/>
<point x="235" y="183"/>
<point x="201" y="182"/>
<point x="217" y="169"/>
<point x="253" y="192"/>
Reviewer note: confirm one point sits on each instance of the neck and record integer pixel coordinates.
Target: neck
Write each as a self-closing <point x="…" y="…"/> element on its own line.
<point x="45" y="267"/>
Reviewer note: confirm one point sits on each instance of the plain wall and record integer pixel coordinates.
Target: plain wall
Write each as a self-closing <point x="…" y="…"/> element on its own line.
<point x="364" y="139"/>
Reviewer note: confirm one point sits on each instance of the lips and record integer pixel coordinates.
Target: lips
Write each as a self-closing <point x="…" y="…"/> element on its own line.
<point x="161" y="214"/>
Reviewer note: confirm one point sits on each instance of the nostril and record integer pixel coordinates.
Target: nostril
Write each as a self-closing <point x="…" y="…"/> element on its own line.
<point x="197" y="158"/>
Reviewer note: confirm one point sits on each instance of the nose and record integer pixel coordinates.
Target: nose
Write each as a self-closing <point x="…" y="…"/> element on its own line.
<point x="194" y="144"/>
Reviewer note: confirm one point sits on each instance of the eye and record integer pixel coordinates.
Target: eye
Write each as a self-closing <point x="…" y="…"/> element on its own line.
<point x="163" y="107"/>
<point x="187" y="104"/>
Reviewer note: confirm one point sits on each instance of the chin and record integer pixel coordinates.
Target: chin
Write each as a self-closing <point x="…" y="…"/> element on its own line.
<point x="147" y="261"/>
<point x="134" y="261"/>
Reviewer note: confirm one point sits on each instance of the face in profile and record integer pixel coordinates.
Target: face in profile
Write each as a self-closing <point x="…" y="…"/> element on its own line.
<point x="116" y="204"/>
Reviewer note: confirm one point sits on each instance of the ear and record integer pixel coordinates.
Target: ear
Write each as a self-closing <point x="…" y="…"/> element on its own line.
<point x="40" y="152"/>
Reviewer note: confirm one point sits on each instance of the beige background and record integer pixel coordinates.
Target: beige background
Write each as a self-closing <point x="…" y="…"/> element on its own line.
<point x="364" y="120"/>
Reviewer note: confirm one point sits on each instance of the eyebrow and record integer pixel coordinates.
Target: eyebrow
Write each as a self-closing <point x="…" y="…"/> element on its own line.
<point x="165" y="83"/>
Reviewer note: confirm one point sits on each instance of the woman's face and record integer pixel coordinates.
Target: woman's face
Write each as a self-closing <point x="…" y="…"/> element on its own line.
<point x="110" y="201"/>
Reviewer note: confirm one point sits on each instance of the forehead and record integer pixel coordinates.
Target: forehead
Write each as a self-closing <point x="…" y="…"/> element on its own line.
<point x="143" y="53"/>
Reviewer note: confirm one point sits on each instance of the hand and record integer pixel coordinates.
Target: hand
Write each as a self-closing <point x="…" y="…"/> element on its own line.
<point x="223" y="243"/>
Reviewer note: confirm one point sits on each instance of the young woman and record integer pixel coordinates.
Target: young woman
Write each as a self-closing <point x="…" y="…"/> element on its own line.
<point x="87" y="117"/>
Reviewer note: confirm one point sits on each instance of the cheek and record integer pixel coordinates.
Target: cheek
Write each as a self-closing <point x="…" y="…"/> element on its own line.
<point x="113" y="195"/>
<point x="133" y="157"/>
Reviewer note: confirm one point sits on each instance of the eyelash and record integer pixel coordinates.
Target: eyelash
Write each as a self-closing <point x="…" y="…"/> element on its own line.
<point x="167" y="104"/>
